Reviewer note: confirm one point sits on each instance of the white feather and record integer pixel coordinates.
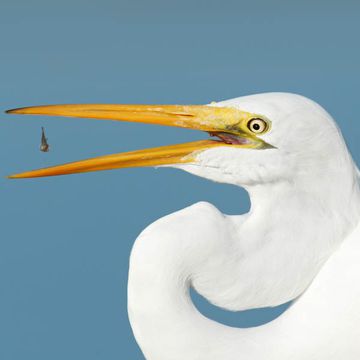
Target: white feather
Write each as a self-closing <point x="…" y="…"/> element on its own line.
<point x="300" y="239"/>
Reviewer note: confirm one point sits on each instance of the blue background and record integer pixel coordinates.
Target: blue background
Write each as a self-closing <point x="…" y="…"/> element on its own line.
<point x="65" y="241"/>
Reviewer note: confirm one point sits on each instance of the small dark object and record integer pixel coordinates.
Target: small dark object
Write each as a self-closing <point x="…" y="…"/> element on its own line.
<point x="44" y="147"/>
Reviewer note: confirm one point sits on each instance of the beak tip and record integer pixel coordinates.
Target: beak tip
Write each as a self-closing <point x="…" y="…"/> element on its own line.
<point x="22" y="110"/>
<point x="15" y="176"/>
<point x="12" y="111"/>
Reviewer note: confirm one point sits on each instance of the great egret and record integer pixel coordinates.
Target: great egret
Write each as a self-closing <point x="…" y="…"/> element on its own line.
<point x="300" y="238"/>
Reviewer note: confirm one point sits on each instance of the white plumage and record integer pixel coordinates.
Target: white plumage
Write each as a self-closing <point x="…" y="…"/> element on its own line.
<point x="303" y="224"/>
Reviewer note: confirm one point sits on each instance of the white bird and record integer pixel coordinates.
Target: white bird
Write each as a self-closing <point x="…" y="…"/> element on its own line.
<point x="300" y="240"/>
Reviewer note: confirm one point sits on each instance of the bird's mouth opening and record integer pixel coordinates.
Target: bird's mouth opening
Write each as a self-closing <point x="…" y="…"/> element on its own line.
<point x="229" y="139"/>
<point x="231" y="127"/>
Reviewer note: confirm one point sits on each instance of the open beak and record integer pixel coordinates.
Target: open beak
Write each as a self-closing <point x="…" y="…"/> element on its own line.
<point x="228" y="124"/>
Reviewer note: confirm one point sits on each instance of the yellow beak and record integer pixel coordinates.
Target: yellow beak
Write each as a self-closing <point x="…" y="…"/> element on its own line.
<point x="226" y="123"/>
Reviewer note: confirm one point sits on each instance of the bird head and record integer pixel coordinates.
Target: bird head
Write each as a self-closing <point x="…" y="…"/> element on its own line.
<point x="297" y="140"/>
<point x="255" y="139"/>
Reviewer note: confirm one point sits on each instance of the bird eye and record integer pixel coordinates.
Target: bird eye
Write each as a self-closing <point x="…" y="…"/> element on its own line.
<point x="257" y="125"/>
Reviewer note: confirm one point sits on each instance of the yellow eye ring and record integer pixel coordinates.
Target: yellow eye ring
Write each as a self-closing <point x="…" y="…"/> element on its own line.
<point x="257" y="125"/>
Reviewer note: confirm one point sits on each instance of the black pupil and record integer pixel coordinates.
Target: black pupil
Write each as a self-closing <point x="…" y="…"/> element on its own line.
<point x="256" y="127"/>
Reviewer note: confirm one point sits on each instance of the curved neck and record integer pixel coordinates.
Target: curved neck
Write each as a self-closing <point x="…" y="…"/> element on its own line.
<point x="234" y="262"/>
<point x="163" y="318"/>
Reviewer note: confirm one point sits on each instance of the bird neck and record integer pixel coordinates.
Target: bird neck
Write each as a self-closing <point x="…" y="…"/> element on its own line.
<point x="169" y="257"/>
<point x="264" y="258"/>
<point x="325" y="206"/>
<point x="163" y="264"/>
<point x="304" y="221"/>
